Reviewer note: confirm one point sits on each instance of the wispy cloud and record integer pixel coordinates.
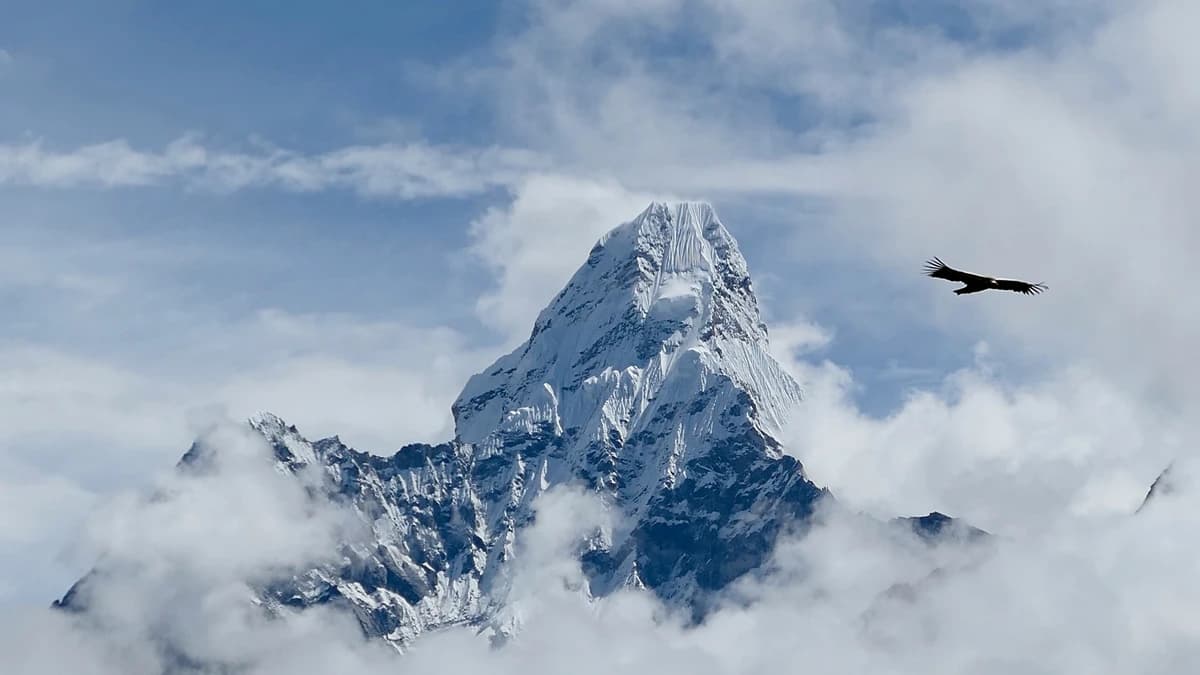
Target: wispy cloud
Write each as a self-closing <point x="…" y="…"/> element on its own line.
<point x="389" y="170"/>
<point x="536" y="242"/>
<point x="334" y="373"/>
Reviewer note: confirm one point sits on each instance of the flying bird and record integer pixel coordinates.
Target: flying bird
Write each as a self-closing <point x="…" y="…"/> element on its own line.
<point x="975" y="282"/>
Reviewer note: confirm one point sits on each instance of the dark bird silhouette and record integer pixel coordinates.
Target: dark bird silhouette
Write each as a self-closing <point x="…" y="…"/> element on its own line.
<point x="973" y="283"/>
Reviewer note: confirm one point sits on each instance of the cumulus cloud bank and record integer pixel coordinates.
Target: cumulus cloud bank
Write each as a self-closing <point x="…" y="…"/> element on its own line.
<point x="1111" y="595"/>
<point x="1010" y="458"/>
<point x="174" y="569"/>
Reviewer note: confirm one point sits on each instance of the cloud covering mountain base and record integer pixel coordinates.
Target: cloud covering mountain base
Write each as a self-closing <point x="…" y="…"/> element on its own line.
<point x="1114" y="595"/>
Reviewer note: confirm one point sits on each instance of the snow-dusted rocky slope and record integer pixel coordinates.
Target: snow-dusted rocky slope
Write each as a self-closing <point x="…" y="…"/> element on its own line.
<point x="648" y="379"/>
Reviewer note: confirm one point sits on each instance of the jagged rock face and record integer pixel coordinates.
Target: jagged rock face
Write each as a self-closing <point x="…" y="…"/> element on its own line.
<point x="648" y="379"/>
<point x="423" y="567"/>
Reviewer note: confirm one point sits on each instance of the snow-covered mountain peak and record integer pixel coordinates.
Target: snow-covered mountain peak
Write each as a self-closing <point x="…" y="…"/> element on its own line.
<point x="688" y="236"/>
<point x="656" y="336"/>
<point x="668" y="253"/>
<point x="268" y="424"/>
<point x="289" y="446"/>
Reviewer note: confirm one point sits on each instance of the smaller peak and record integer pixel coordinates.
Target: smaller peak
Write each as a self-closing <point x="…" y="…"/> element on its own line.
<point x="269" y="424"/>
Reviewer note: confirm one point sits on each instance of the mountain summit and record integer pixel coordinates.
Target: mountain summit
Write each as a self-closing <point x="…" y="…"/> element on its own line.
<point x="648" y="379"/>
<point x="633" y="363"/>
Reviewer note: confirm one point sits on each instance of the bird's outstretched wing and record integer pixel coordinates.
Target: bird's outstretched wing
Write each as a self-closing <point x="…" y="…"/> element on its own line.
<point x="1019" y="286"/>
<point x="936" y="268"/>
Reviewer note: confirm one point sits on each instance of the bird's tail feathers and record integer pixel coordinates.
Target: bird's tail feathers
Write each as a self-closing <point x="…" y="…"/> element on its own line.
<point x="933" y="265"/>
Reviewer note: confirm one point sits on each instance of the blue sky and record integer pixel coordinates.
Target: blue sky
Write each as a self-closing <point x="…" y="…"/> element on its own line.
<point x="319" y="74"/>
<point x="339" y="214"/>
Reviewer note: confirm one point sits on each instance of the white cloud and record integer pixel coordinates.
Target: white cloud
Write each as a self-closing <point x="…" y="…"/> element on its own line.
<point x="203" y="523"/>
<point x="1044" y="167"/>
<point x="1110" y="598"/>
<point x="70" y="400"/>
<point x="792" y="339"/>
<point x="377" y="384"/>
<point x="534" y="244"/>
<point x="184" y="556"/>
<point x="44" y="513"/>
<point x="1013" y="459"/>
<point x="1077" y="602"/>
<point x="75" y="426"/>
<point x="390" y="170"/>
<point x="1098" y="595"/>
